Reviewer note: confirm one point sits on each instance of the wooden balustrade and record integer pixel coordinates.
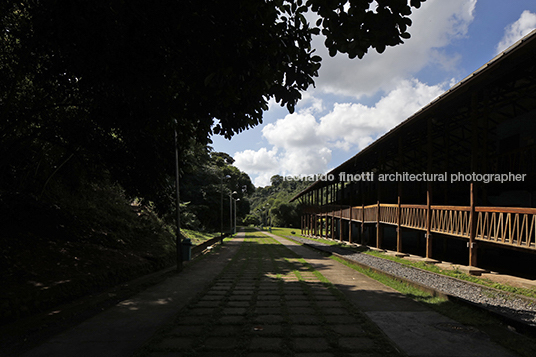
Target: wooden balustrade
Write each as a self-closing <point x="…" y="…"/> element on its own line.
<point x="345" y="213"/>
<point x="389" y="213"/>
<point x="370" y="213"/>
<point x="413" y="216"/>
<point x="510" y="226"/>
<point x="451" y="220"/>
<point x="357" y="213"/>
<point x="501" y="225"/>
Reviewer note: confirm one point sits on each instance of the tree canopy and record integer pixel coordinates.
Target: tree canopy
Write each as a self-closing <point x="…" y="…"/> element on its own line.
<point x="102" y="85"/>
<point x="209" y="185"/>
<point x="270" y="204"/>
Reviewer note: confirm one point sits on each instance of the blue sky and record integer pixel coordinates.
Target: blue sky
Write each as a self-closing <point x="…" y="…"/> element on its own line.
<point x="357" y="101"/>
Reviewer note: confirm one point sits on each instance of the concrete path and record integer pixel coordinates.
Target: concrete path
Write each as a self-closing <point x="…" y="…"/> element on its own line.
<point x="123" y="329"/>
<point x="415" y="329"/>
<point x="269" y="302"/>
<point x="257" y="298"/>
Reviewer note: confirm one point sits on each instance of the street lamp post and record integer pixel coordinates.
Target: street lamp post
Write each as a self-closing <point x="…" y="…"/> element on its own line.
<point x="221" y="208"/>
<point x="238" y="199"/>
<point x="231" y="211"/>
<point x="178" y="240"/>
<point x="230" y="214"/>
<point x="265" y="209"/>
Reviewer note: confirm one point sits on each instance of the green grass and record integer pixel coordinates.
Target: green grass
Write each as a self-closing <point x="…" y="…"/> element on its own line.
<point x="199" y="237"/>
<point x="459" y="275"/>
<point x="499" y="333"/>
<point x="282" y="232"/>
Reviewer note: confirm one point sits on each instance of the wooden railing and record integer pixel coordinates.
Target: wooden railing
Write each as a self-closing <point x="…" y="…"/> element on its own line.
<point x="413" y="216"/>
<point x="500" y="225"/>
<point x="451" y="220"/>
<point x="510" y="226"/>
<point x="371" y="213"/>
<point x="389" y="214"/>
<point x="357" y="213"/>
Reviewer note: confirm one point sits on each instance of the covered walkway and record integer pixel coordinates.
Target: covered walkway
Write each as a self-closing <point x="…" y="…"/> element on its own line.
<point x="458" y="175"/>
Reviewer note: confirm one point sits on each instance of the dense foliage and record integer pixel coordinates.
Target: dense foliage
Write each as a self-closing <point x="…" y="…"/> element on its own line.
<point x="271" y="205"/>
<point x="207" y="190"/>
<point x="100" y="86"/>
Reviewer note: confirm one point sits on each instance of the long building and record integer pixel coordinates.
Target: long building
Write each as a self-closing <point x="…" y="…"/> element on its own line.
<point x="457" y="176"/>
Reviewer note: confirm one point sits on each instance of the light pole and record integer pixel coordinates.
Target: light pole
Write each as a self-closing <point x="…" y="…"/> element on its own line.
<point x="221" y="208"/>
<point x="235" y="201"/>
<point x="265" y="211"/>
<point x="178" y="240"/>
<point x="231" y="211"/>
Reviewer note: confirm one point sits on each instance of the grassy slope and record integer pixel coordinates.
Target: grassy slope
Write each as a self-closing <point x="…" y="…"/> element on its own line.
<point x="82" y="244"/>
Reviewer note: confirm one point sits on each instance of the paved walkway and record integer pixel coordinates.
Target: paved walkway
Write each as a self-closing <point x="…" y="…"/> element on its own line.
<point x="268" y="301"/>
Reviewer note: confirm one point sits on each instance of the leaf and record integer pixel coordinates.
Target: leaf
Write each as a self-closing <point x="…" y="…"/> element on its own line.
<point x="209" y="78"/>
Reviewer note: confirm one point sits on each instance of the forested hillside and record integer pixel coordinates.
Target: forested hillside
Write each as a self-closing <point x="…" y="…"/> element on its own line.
<point x="271" y="204"/>
<point x="80" y="233"/>
<point x="211" y="183"/>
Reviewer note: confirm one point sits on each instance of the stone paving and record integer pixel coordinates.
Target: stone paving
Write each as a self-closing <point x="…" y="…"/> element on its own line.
<point x="269" y="302"/>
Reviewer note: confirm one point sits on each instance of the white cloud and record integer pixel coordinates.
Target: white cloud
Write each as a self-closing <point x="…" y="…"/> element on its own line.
<point x="256" y="162"/>
<point x="304" y="151"/>
<point x="310" y="104"/>
<point x="351" y="124"/>
<point x="305" y="161"/>
<point x="435" y="25"/>
<point x="294" y="131"/>
<point x="263" y="179"/>
<point x="515" y="31"/>
<point x="302" y="144"/>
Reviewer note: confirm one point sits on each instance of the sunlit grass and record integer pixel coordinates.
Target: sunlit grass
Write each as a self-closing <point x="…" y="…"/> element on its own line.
<point x="498" y="332"/>
<point x="199" y="237"/>
<point x="284" y="232"/>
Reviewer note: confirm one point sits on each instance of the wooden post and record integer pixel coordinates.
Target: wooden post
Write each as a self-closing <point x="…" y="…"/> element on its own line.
<point x="340" y="223"/>
<point x="378" y="228"/>
<point x="332" y="224"/>
<point x="430" y="148"/>
<point x="363" y="241"/>
<point x="428" y="220"/>
<point x="472" y="229"/>
<point x="398" y="226"/>
<point x="475" y="146"/>
<point x="350" y="226"/>
<point x="399" y="208"/>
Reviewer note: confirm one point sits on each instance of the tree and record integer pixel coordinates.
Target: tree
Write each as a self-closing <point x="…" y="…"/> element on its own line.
<point x="100" y="85"/>
<point x="203" y="183"/>
<point x="285" y="214"/>
<point x="276" y="180"/>
<point x="251" y="220"/>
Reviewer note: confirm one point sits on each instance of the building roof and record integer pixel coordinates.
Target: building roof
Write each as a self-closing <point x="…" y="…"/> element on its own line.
<point x="490" y="77"/>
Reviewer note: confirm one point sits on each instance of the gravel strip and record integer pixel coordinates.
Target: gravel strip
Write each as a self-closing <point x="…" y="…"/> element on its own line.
<point x="502" y="302"/>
